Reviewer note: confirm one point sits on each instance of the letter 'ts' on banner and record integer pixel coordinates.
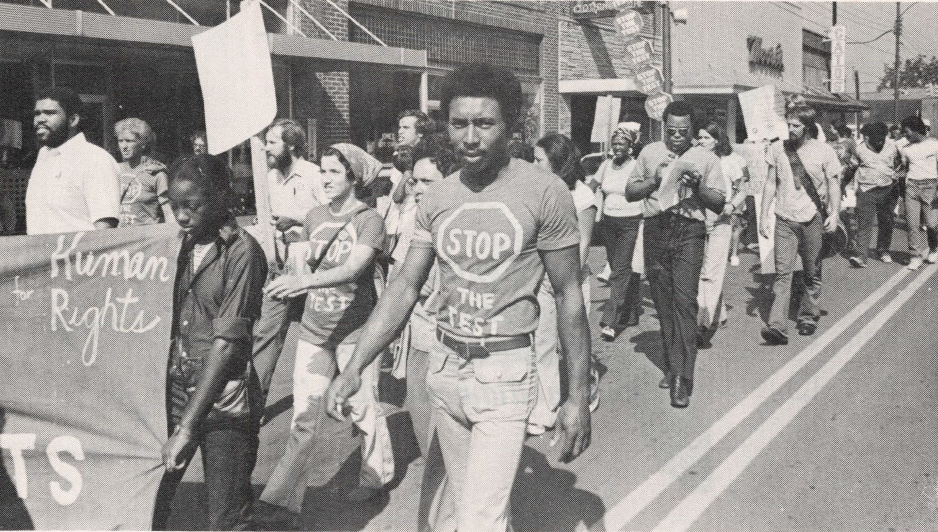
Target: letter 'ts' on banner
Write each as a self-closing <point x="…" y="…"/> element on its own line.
<point x="639" y="52"/>
<point x="237" y="79"/>
<point x="656" y="103"/>
<point x="649" y="80"/>
<point x="86" y="320"/>
<point x="629" y="23"/>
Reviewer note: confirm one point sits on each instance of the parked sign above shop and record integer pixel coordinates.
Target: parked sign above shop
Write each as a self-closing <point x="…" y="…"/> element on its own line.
<point x="649" y="80"/>
<point x="639" y="51"/>
<point x="771" y="58"/>
<point x="656" y="103"/>
<point x="588" y="9"/>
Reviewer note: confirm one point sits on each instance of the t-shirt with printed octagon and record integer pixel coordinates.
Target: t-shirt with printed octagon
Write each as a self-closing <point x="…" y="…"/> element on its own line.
<point x="335" y="314"/>
<point x="487" y="245"/>
<point x="144" y="191"/>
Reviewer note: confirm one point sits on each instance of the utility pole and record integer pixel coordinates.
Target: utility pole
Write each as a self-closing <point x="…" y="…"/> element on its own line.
<point x="895" y="81"/>
<point x="834" y="17"/>
<point x="666" y="45"/>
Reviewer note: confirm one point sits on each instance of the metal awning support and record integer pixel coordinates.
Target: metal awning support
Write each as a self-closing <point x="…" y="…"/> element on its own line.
<point x="357" y="23"/>
<point x="281" y="17"/>
<point x="176" y="6"/>
<point x="105" y="6"/>
<point x="312" y="18"/>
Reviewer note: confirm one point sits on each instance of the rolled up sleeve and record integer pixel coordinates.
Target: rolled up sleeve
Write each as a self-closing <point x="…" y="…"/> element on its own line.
<point x="245" y="274"/>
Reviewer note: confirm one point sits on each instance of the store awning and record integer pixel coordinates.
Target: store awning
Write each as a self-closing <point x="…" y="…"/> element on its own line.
<point x="68" y="23"/>
<point x="713" y="84"/>
<point x="828" y="100"/>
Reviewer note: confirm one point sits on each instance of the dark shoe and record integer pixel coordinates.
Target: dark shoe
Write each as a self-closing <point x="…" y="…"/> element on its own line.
<point x="680" y="392"/>
<point x="665" y="381"/>
<point x="703" y="341"/>
<point x="773" y="336"/>
<point x="806" y="328"/>
<point x="272" y="517"/>
<point x="857" y="261"/>
<point x="607" y="333"/>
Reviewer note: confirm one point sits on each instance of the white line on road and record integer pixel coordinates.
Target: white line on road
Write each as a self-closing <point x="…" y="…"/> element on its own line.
<point x="636" y="501"/>
<point x="684" y="514"/>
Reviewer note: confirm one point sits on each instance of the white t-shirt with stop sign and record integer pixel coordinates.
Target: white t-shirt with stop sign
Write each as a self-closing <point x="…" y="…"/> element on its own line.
<point x="487" y="245"/>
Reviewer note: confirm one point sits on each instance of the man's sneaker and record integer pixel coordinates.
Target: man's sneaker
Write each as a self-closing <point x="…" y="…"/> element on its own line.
<point x="807" y="328"/>
<point x="932" y="257"/>
<point x="773" y="336"/>
<point x="914" y="263"/>
<point x="885" y="257"/>
<point x="603" y="276"/>
<point x="536" y="429"/>
<point x="857" y="261"/>
<point x="594" y="387"/>
<point x="608" y="333"/>
<point x="734" y="260"/>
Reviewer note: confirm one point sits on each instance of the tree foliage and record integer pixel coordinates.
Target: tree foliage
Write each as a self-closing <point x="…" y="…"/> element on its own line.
<point x="917" y="72"/>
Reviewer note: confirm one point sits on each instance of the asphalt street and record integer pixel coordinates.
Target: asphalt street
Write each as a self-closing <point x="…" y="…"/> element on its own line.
<point x="835" y="431"/>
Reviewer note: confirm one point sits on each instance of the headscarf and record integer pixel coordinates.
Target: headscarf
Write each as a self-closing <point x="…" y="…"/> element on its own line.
<point x="364" y="166"/>
<point x="631" y="130"/>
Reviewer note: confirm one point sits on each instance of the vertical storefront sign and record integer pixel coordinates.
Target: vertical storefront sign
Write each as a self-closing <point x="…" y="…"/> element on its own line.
<point x="838" y="36"/>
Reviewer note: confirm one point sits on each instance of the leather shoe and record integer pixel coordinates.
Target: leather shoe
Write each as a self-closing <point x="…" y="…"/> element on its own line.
<point x="680" y="391"/>
<point x="773" y="336"/>
<point x="806" y="328"/>
<point x="665" y="381"/>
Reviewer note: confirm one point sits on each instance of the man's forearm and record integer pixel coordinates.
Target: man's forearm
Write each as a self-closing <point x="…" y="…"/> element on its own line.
<point x="639" y="190"/>
<point x="212" y="382"/>
<point x="833" y="194"/>
<point x="385" y="324"/>
<point x="572" y="329"/>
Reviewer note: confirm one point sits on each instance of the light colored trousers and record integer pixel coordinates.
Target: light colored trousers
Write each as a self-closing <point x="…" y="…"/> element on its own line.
<point x="547" y="347"/>
<point x="311" y="378"/>
<point x="481" y="409"/>
<point x="712" y="309"/>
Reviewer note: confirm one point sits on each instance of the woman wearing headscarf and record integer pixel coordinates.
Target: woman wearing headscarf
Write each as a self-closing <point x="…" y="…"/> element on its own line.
<point x="619" y="228"/>
<point x="345" y="236"/>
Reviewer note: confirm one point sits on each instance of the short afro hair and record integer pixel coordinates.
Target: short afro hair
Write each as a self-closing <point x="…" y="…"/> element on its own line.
<point x="67" y="99"/>
<point x="486" y="81"/>
<point x="916" y="124"/>
<point x="681" y="108"/>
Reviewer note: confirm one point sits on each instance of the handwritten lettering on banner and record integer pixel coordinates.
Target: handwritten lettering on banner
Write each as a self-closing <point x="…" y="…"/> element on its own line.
<point x="656" y="104"/>
<point x="649" y="80"/>
<point x="629" y="23"/>
<point x="639" y="51"/>
<point x="86" y="320"/>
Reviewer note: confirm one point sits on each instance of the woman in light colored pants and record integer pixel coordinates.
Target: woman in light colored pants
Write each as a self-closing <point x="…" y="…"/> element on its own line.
<point x="712" y="308"/>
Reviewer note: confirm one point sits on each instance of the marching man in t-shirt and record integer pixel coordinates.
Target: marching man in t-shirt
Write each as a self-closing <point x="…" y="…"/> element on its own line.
<point x="494" y="228"/>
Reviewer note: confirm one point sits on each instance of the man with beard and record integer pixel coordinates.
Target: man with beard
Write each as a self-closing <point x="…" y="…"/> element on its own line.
<point x="493" y="228"/>
<point x="804" y="179"/>
<point x="295" y="188"/>
<point x="75" y="185"/>
<point x="677" y="182"/>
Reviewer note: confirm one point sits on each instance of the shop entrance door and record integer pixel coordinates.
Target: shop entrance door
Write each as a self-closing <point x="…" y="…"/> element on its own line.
<point x="95" y="120"/>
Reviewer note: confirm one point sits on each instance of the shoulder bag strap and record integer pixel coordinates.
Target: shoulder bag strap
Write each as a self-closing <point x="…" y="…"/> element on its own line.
<point x="800" y="175"/>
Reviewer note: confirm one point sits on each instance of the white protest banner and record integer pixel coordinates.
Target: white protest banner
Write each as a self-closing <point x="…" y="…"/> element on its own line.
<point x="649" y="80"/>
<point x="606" y="118"/>
<point x="639" y="51"/>
<point x="764" y="113"/>
<point x="629" y="23"/>
<point x="237" y="79"/>
<point x="655" y="105"/>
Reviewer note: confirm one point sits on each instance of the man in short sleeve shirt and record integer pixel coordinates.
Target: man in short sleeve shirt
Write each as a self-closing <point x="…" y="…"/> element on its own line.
<point x="75" y="185"/>
<point x="920" y="159"/>
<point x="674" y="237"/>
<point x="804" y="180"/>
<point x="494" y="228"/>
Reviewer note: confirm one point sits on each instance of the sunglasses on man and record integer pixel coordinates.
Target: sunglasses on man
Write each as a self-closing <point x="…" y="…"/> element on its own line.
<point x="684" y="131"/>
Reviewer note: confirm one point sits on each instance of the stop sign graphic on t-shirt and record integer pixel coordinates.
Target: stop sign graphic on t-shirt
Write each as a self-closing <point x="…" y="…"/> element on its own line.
<point x="480" y="241"/>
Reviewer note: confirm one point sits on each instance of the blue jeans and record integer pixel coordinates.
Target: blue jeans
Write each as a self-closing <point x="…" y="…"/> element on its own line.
<point x="874" y="208"/>
<point x="228" y="456"/>
<point x="674" y="252"/>
<point x="920" y="197"/>
<point x="481" y="409"/>
<point x="791" y="240"/>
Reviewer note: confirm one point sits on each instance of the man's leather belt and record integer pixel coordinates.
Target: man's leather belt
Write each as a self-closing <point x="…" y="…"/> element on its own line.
<point x="482" y="349"/>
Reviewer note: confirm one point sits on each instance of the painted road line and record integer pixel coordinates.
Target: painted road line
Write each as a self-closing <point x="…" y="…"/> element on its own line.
<point x="621" y="514"/>
<point x="685" y="513"/>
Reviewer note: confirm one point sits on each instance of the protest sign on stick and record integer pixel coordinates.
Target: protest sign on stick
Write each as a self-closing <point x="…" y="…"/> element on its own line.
<point x="86" y="320"/>
<point x="237" y="82"/>
<point x="764" y="113"/>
